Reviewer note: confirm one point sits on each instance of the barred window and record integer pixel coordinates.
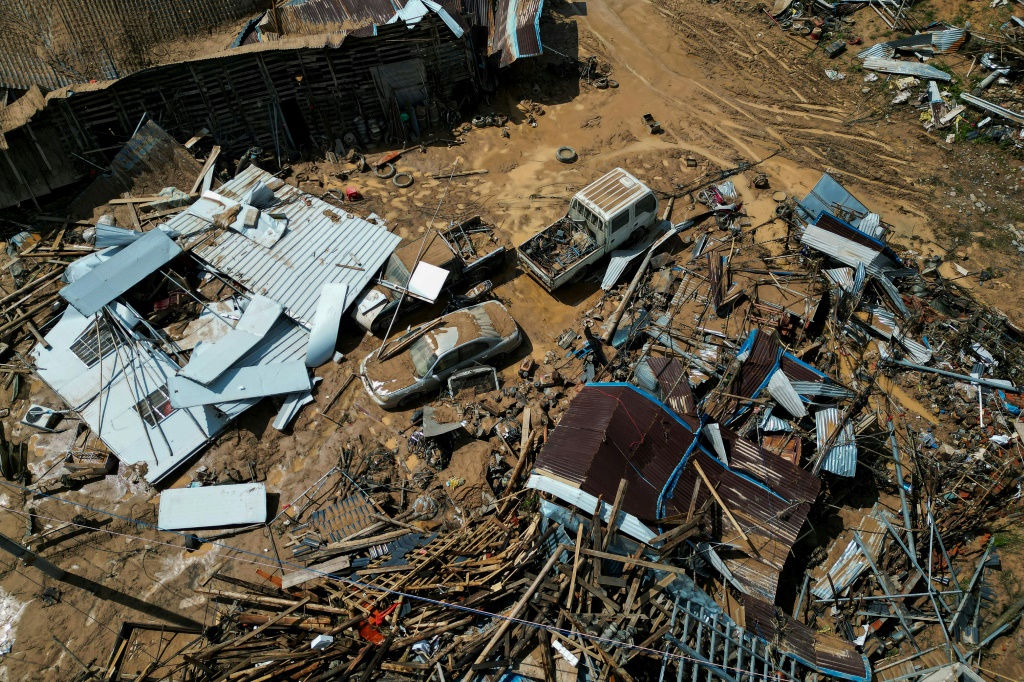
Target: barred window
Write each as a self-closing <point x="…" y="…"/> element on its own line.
<point x="156" y="406"/>
<point x="94" y="343"/>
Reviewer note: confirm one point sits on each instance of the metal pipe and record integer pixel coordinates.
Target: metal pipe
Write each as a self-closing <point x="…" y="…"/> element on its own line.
<point x="963" y="377"/>
<point x="903" y="494"/>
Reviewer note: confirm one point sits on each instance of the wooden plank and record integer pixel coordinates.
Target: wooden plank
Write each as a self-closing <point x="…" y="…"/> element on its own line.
<point x="630" y="560"/>
<point x="207" y="168"/>
<point x="210" y="651"/>
<point x="316" y="571"/>
<point x="135" y="200"/>
<point x="575" y="565"/>
<point x="721" y="503"/>
<point x="620" y="495"/>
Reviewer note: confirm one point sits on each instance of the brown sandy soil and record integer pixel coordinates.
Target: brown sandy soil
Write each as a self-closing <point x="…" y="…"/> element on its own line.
<point x="727" y="87"/>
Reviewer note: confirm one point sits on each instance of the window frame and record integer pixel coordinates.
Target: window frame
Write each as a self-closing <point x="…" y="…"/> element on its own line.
<point x="625" y="223"/>
<point x="154" y="412"/>
<point x="654" y="204"/>
<point x="99" y="333"/>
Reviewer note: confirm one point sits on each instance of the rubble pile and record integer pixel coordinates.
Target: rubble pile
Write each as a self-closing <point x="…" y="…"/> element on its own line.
<point x="653" y="497"/>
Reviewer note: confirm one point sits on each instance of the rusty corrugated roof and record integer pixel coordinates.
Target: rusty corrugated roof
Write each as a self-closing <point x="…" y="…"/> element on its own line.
<point x="797" y="370"/>
<point x="784" y="477"/>
<point x="515" y="30"/>
<point x="675" y="386"/>
<point x="759" y="365"/>
<point x="611" y="432"/>
<point x="770" y="521"/>
<point x="828" y="655"/>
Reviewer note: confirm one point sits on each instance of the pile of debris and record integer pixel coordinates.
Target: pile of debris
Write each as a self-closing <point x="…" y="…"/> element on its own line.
<point x="655" y="497"/>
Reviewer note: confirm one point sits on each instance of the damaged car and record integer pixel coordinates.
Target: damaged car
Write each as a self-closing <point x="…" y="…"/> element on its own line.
<point x="405" y="369"/>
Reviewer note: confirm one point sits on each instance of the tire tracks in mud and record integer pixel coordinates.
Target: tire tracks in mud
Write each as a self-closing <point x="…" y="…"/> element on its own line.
<point x="746" y="87"/>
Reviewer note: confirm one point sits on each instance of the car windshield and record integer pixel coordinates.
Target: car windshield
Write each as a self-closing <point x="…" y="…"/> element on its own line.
<point x="423" y="356"/>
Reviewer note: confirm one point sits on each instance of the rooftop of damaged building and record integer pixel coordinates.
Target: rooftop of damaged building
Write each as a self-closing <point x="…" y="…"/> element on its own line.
<point x="157" y="401"/>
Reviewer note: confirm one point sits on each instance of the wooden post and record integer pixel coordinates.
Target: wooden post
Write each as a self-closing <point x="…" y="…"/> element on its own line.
<point x="620" y="494"/>
<point x="721" y="503"/>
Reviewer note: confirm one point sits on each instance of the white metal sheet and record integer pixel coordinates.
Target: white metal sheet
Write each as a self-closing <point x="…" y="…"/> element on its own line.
<point x="212" y="506"/>
<point x="243" y="383"/>
<point x="323" y="335"/>
<point x="209" y="361"/>
<point x="785" y="395"/>
<point x="116" y="275"/>
<point x="427" y="281"/>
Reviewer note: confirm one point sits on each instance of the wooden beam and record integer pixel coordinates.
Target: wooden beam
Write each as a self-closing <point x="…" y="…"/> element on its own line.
<point x="721" y="503"/>
<point x="210" y="651"/>
<point x="516" y="610"/>
<point x="270" y="601"/>
<point x="207" y="168"/>
<point x="620" y="495"/>
<point x="630" y="560"/>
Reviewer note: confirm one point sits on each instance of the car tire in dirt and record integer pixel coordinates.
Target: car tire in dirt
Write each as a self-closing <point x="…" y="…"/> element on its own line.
<point x="402" y="180"/>
<point x="385" y="171"/>
<point x="566" y="154"/>
<point x="410" y="399"/>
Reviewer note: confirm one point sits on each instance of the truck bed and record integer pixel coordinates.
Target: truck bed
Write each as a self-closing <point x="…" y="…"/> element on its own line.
<point x="559" y="249"/>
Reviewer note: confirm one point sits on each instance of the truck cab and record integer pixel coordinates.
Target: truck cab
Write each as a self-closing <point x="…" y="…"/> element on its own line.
<point x="614" y="207"/>
<point x="604" y="215"/>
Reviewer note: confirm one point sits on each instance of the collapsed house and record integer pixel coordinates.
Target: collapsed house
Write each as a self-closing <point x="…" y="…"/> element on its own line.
<point x="344" y="75"/>
<point x="156" y="396"/>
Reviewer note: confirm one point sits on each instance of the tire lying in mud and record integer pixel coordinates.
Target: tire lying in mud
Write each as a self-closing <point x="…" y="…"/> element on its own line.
<point x="566" y="154"/>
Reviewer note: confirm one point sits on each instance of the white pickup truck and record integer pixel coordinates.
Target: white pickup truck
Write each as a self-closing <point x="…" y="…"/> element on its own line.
<point x="602" y="216"/>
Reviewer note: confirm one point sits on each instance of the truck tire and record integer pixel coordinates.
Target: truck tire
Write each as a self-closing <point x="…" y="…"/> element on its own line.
<point x="579" y="275"/>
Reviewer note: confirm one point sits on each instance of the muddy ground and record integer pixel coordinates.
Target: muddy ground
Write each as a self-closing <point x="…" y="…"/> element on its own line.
<point x="727" y="87"/>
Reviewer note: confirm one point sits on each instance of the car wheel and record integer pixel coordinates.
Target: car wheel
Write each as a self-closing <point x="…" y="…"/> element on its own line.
<point x="580" y="275"/>
<point x="408" y="400"/>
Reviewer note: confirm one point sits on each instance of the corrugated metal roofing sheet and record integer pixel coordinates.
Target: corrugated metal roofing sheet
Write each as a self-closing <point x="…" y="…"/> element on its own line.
<point x="785" y="478"/>
<point x="841" y="277"/>
<point x="905" y="68"/>
<point x="842" y="457"/>
<point x="771" y="423"/>
<point x="113" y="277"/>
<point x="629" y="524"/>
<point x="993" y="108"/>
<point x="828" y="195"/>
<point x="820" y="389"/>
<point x="845" y="250"/>
<point x="784" y="394"/>
<point x="753" y="374"/>
<point x="611" y="432"/>
<point x="850" y="562"/>
<point x="828" y="655"/>
<point x="515" y="30"/>
<point x="294" y="270"/>
<point x="798" y="370"/>
<point x="871" y="225"/>
<point x="621" y="258"/>
<point x="882" y="50"/>
<point x="671" y="376"/>
<point x="771" y="521"/>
